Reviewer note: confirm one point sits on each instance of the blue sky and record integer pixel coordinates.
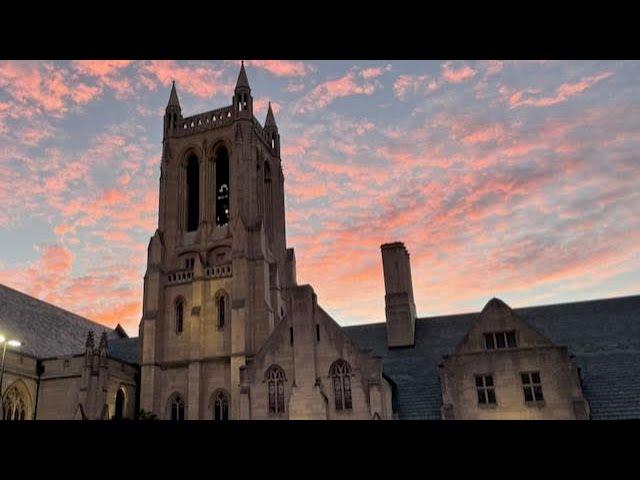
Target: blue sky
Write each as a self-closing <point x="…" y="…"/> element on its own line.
<point x="514" y="179"/>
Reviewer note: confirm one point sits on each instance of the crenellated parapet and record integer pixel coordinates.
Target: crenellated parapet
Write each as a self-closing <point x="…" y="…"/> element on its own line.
<point x="202" y="122"/>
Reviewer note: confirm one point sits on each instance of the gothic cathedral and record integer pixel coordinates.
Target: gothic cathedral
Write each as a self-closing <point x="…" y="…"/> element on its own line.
<point x="220" y="280"/>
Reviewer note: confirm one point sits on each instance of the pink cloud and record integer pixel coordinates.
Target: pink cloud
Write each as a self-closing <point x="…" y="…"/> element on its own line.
<point x="331" y="90"/>
<point x="374" y="72"/>
<point x="406" y="85"/>
<point x="282" y="68"/>
<point x="203" y="81"/>
<point x="457" y="75"/>
<point x="530" y="97"/>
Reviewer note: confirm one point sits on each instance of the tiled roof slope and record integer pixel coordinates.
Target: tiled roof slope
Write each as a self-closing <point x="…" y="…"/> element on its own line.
<point x="125" y="349"/>
<point x="45" y="330"/>
<point x="604" y="336"/>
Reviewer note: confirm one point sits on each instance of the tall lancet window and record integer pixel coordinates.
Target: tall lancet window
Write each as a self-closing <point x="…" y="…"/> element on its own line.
<point x="222" y="186"/>
<point x="193" y="193"/>
<point x="221" y="405"/>
<point x="221" y="311"/>
<point x="120" y="401"/>
<point x="179" y="316"/>
<point x="268" y="201"/>
<point x="275" y="388"/>
<point x="176" y="408"/>
<point x="340" y="372"/>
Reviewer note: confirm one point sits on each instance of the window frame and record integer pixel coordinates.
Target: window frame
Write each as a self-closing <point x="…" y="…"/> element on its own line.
<point x="534" y="387"/>
<point x="220" y="405"/>
<point x="275" y="378"/>
<point x="180" y="408"/>
<point x="178" y="315"/>
<point x="507" y="338"/>
<point x="486" y="390"/>
<point x="340" y="374"/>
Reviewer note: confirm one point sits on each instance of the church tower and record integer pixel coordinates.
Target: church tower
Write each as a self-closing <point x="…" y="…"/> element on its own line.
<point x="218" y="267"/>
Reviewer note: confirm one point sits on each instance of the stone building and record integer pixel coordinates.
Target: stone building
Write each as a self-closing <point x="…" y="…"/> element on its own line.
<point x="228" y="333"/>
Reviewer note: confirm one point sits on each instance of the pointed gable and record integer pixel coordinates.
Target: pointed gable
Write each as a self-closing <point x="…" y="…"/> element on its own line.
<point x="497" y="319"/>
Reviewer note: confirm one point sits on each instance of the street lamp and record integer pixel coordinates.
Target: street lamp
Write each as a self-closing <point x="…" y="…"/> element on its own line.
<point x="12" y="343"/>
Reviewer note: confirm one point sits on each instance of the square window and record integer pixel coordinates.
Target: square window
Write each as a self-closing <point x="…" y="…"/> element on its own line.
<point x="528" y="395"/>
<point x="537" y="392"/>
<point x="535" y="377"/>
<point x="488" y="381"/>
<point x="479" y="382"/>
<point x="488" y="341"/>
<point x="525" y="378"/>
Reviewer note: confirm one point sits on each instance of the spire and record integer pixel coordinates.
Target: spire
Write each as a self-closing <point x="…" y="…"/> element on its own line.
<point x="90" y="342"/>
<point x="173" y="98"/>
<point x="103" y="343"/>
<point x="270" y="121"/>
<point x="243" y="81"/>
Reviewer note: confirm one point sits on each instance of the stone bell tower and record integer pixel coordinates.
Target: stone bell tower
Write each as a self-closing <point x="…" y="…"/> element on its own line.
<point x="215" y="283"/>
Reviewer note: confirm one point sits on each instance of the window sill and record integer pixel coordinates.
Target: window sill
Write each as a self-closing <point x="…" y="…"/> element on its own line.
<point x="535" y="403"/>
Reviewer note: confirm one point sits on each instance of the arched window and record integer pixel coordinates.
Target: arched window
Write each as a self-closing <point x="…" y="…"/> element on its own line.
<point x="222" y="186"/>
<point x="193" y="193"/>
<point x="176" y="407"/>
<point x="220" y="405"/>
<point x="120" y="402"/>
<point x="275" y="388"/>
<point x="14" y="404"/>
<point x="340" y="372"/>
<point x="221" y="311"/>
<point x="268" y="201"/>
<point x="179" y="315"/>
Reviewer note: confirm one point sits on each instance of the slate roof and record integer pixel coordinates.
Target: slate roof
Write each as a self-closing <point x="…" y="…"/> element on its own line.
<point x="125" y="349"/>
<point x="604" y="336"/>
<point x="44" y="329"/>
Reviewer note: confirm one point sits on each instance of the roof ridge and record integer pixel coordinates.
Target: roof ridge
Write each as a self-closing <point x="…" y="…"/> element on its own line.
<point x="515" y="309"/>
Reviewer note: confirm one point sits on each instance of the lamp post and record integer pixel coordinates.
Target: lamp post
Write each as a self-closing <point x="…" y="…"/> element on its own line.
<point x="5" y="342"/>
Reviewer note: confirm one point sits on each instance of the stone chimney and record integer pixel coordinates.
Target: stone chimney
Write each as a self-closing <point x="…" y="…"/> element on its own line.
<point x="400" y="308"/>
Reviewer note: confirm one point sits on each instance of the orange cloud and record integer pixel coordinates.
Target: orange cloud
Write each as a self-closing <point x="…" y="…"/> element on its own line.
<point x="457" y="75"/>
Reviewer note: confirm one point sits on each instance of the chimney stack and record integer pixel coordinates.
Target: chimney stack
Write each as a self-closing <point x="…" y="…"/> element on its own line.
<point x="400" y="307"/>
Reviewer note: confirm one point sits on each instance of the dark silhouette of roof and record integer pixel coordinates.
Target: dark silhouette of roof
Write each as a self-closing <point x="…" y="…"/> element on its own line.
<point x="46" y="330"/>
<point x="604" y="336"/>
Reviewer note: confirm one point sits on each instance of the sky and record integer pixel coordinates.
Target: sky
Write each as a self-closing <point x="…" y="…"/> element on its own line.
<point x="509" y="179"/>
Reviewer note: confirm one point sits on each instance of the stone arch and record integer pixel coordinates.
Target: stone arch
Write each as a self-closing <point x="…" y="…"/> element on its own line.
<point x="120" y="405"/>
<point x="222" y="187"/>
<point x="222" y="301"/>
<point x="340" y="373"/>
<point x="176" y="408"/>
<point x="16" y="402"/>
<point x="219" y="404"/>
<point x="275" y="379"/>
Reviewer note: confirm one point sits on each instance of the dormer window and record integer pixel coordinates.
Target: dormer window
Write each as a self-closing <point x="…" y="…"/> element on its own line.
<point x="500" y="340"/>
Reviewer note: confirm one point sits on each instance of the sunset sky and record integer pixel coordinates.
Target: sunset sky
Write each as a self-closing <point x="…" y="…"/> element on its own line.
<point x="515" y="179"/>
